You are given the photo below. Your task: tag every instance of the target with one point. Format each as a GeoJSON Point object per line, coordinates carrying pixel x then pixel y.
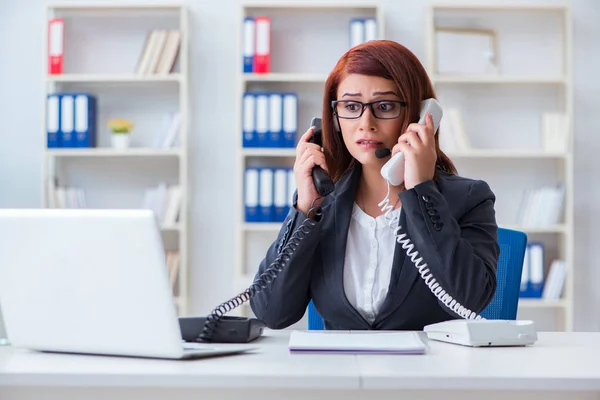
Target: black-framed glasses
{"type": "Point", "coordinates": [381, 109]}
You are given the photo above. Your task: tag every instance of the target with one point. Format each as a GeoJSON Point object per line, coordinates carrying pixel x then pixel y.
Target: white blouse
{"type": "Point", "coordinates": [368, 261]}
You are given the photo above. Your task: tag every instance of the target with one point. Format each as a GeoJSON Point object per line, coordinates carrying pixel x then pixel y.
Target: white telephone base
{"type": "Point", "coordinates": [483, 332]}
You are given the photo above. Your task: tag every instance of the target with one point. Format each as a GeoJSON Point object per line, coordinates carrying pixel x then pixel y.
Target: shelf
{"type": "Point", "coordinates": [541, 303]}
{"type": "Point", "coordinates": [121, 92]}
{"type": "Point", "coordinates": [113, 78]}
{"type": "Point", "coordinates": [524, 154]}
{"type": "Point", "coordinates": [525, 80]}
{"type": "Point", "coordinates": [109, 152]}
{"type": "Point", "coordinates": [267, 152]}
{"type": "Point", "coordinates": [285, 77]}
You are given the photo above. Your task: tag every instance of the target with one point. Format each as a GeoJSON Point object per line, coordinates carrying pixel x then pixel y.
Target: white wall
{"type": "Point", "coordinates": [214, 62]}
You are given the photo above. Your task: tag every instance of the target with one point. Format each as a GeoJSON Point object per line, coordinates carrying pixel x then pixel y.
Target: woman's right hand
{"type": "Point", "coordinates": [307, 156]}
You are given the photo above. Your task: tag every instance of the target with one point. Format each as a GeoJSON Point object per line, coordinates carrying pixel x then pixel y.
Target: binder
{"type": "Point", "coordinates": [280, 202]}
{"type": "Point", "coordinates": [53, 121]}
{"type": "Point", "coordinates": [85, 120]}
{"type": "Point", "coordinates": [251, 182]}
{"type": "Point", "coordinates": [370, 29]}
{"type": "Point", "coordinates": [262, 119]}
{"type": "Point", "coordinates": [265, 200]}
{"type": "Point", "coordinates": [67, 119]}
{"type": "Point", "coordinates": [249, 121]}
{"type": "Point", "coordinates": [275, 120]}
{"type": "Point", "coordinates": [290, 120]}
{"type": "Point", "coordinates": [249, 44]}
{"type": "Point", "coordinates": [56, 40]}
{"type": "Point", "coordinates": [536, 272]}
{"type": "Point", "coordinates": [262, 56]}
{"type": "Point", "coordinates": [357, 31]}
{"type": "Point", "coordinates": [532, 279]}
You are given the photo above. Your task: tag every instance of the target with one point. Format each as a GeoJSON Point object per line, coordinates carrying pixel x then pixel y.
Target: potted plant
{"type": "Point", "coordinates": [120, 132]}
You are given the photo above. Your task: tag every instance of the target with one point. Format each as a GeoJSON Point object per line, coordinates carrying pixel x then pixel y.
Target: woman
{"type": "Point", "coordinates": [349, 262]}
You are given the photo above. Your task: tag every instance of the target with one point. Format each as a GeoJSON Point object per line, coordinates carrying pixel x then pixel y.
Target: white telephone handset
{"type": "Point", "coordinates": [393, 170]}
{"type": "Point", "coordinates": [473, 329]}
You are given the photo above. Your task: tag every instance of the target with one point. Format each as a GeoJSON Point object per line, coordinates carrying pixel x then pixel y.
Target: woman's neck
{"type": "Point", "coordinates": [372, 189]}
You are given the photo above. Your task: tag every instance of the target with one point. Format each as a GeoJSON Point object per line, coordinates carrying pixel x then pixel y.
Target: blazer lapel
{"type": "Point", "coordinates": [404, 275]}
{"type": "Point", "coordinates": [343, 214]}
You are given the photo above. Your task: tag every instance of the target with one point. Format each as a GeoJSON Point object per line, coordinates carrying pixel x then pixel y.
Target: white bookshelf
{"type": "Point", "coordinates": [502, 113]}
{"type": "Point", "coordinates": [116, 78]}
{"type": "Point", "coordinates": [300, 66]}
{"type": "Point", "coordinates": [103, 42]}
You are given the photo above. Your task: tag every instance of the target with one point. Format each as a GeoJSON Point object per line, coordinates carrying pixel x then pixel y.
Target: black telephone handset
{"type": "Point", "coordinates": [322, 181]}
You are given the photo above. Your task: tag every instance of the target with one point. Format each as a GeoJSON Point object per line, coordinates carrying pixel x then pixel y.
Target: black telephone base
{"type": "Point", "coordinates": [228, 329]}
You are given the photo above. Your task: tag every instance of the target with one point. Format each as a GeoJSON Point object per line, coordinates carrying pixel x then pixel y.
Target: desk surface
{"type": "Point", "coordinates": [566, 361]}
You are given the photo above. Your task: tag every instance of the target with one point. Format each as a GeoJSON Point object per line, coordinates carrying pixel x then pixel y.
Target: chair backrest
{"type": "Point", "coordinates": [508, 276]}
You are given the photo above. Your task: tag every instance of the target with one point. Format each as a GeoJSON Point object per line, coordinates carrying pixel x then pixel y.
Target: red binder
{"type": "Point", "coordinates": [262, 55]}
{"type": "Point", "coordinates": [56, 42]}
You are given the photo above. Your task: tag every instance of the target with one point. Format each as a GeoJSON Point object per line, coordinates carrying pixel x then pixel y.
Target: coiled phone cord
{"type": "Point", "coordinates": [417, 260]}
{"type": "Point", "coordinates": [264, 279]}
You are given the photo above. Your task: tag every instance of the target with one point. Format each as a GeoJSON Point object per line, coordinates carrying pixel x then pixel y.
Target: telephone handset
{"type": "Point", "coordinates": [323, 183]}
{"type": "Point", "coordinates": [393, 170]}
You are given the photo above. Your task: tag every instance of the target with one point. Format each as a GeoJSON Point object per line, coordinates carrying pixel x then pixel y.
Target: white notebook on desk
{"type": "Point", "coordinates": [360, 342]}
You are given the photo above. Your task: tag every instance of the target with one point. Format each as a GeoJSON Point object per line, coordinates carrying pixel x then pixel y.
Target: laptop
{"type": "Point", "coordinates": [91, 282]}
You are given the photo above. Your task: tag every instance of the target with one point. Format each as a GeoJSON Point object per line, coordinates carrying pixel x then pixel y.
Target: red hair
{"type": "Point", "coordinates": [389, 60]}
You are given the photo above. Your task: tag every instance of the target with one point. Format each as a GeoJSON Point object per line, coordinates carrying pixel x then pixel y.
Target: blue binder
{"type": "Point", "coordinates": [85, 120]}
{"type": "Point", "coordinates": [275, 120]}
{"type": "Point", "coordinates": [532, 281]}
{"type": "Point", "coordinates": [67, 120]}
{"type": "Point", "coordinates": [265, 200]}
{"type": "Point", "coordinates": [280, 191]}
{"type": "Point", "coordinates": [249, 44]}
{"type": "Point", "coordinates": [249, 121]}
{"type": "Point", "coordinates": [251, 194]}
{"type": "Point", "coordinates": [262, 119]}
{"type": "Point", "coordinates": [53, 121]}
{"type": "Point", "coordinates": [290, 120]}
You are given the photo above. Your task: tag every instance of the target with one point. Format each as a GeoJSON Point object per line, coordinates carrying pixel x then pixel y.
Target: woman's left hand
{"type": "Point", "coordinates": [418, 146]}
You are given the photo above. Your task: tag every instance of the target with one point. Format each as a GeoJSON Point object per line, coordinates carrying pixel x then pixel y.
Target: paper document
{"type": "Point", "coordinates": [357, 342]}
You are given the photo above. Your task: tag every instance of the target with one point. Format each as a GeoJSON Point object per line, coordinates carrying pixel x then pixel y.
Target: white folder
{"type": "Point", "coordinates": [266, 194]}
{"type": "Point", "coordinates": [370, 29]}
{"type": "Point", "coordinates": [67, 110]}
{"type": "Point", "coordinates": [357, 31]}
{"type": "Point", "coordinates": [290, 119]}
{"type": "Point", "coordinates": [262, 118]}
{"type": "Point", "coordinates": [275, 119]}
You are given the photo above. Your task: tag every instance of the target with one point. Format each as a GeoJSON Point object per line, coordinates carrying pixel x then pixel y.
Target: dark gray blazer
{"type": "Point", "coordinates": [451, 222]}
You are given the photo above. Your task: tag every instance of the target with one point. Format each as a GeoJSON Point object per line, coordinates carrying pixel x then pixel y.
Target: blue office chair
{"type": "Point", "coordinates": [508, 275]}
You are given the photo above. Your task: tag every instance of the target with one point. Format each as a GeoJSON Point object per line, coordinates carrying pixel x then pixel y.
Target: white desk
{"type": "Point", "coordinates": [557, 366]}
